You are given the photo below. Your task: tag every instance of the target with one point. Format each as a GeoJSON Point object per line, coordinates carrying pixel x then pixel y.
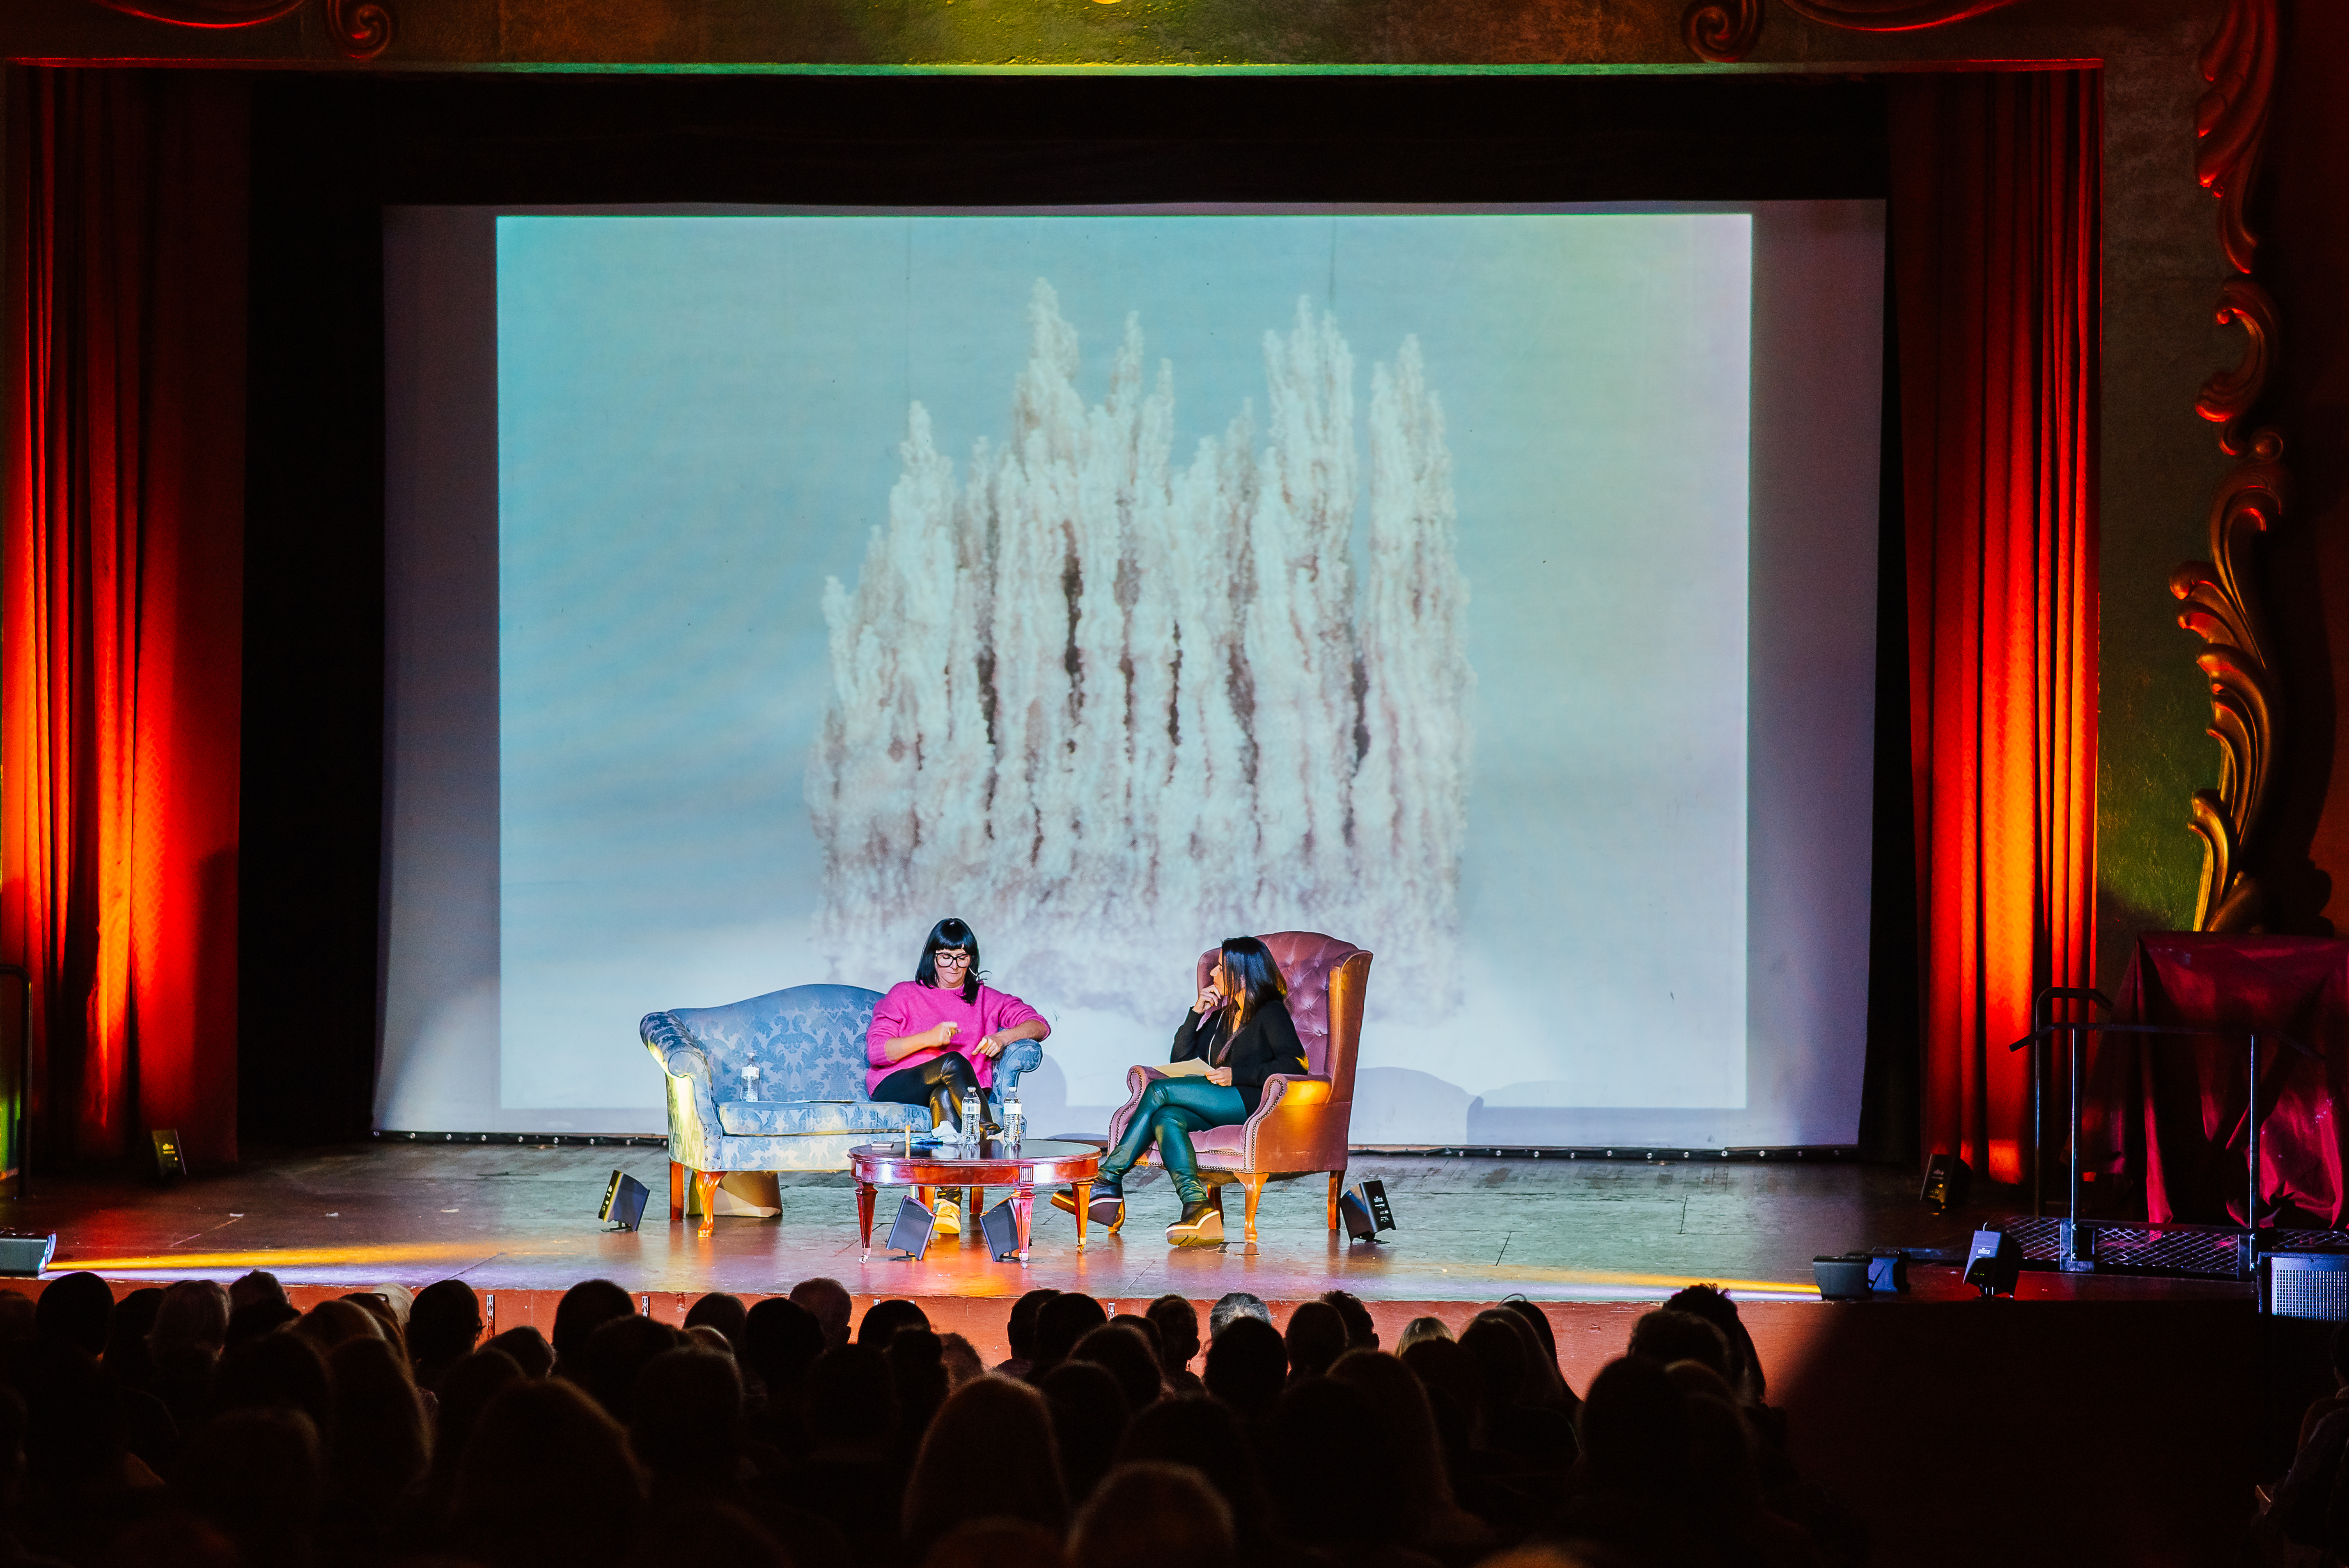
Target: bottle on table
{"type": "Point", "coordinates": [970, 1119]}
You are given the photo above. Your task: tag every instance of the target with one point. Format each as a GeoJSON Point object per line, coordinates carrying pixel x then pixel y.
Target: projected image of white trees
{"type": "Point", "coordinates": [1111, 706]}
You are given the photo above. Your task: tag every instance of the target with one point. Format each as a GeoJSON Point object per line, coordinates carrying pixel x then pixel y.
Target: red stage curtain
{"type": "Point", "coordinates": [120, 647]}
{"type": "Point", "coordinates": [1995, 269]}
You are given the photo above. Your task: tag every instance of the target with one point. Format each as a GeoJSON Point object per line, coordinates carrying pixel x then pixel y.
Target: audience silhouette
{"type": "Point", "coordinates": [382, 1429]}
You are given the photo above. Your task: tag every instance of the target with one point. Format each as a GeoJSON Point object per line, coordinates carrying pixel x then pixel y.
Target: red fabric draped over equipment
{"type": "Point", "coordinates": [1994, 266]}
{"type": "Point", "coordinates": [123, 602]}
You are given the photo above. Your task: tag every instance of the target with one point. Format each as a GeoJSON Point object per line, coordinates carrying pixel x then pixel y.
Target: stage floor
{"type": "Point", "coordinates": [522, 1217]}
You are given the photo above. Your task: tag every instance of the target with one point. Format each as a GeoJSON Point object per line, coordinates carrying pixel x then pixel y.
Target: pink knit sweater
{"type": "Point", "coordinates": [911, 1008]}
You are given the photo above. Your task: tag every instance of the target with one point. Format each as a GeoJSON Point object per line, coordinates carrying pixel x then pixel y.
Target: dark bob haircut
{"type": "Point", "coordinates": [1249, 965]}
{"type": "Point", "coordinates": [950, 934]}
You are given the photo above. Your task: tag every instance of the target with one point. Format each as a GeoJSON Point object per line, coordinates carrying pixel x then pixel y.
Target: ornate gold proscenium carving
{"type": "Point", "coordinates": [1725, 31]}
{"type": "Point", "coordinates": [2246, 702]}
{"type": "Point", "coordinates": [2230, 121]}
{"type": "Point", "coordinates": [1722, 33]}
{"type": "Point", "coordinates": [2228, 397]}
{"type": "Point", "coordinates": [361, 29]}
{"type": "Point", "coordinates": [2221, 597]}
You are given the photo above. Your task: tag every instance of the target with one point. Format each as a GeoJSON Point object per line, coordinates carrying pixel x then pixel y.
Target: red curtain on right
{"type": "Point", "coordinates": [1995, 253]}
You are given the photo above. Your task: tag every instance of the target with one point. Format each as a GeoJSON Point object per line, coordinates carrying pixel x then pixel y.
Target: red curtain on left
{"type": "Point", "coordinates": [121, 656]}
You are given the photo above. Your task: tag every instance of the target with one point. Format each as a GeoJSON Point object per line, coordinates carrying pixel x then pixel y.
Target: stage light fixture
{"type": "Point", "coordinates": [624, 1201]}
{"type": "Point", "coordinates": [1947, 1181]}
{"type": "Point", "coordinates": [1843, 1278]}
{"type": "Point", "coordinates": [170, 1160]}
{"type": "Point", "coordinates": [909, 1232]}
{"type": "Point", "coordinates": [24, 1257]}
{"type": "Point", "coordinates": [2306, 1285]}
{"type": "Point", "coordinates": [1994, 1262]}
{"type": "Point", "coordinates": [1365, 1209]}
{"type": "Point", "coordinates": [1000, 1228]}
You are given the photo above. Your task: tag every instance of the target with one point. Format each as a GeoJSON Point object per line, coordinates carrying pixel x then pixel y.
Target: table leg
{"type": "Point", "coordinates": [864, 1194]}
{"type": "Point", "coordinates": [1023, 1205]}
{"type": "Point", "coordinates": [1084, 1207]}
{"type": "Point", "coordinates": [972, 1228]}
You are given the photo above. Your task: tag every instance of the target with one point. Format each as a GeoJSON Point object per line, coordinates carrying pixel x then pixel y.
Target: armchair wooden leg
{"type": "Point", "coordinates": [675, 1192]}
{"type": "Point", "coordinates": [705, 1193]}
{"type": "Point", "coordinates": [1253, 1181]}
{"type": "Point", "coordinates": [1335, 1178]}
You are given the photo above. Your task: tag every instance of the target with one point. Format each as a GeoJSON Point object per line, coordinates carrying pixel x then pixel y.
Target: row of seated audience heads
{"type": "Point", "coordinates": [225, 1427]}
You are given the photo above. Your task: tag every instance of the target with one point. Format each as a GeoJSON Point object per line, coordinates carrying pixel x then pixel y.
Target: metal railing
{"type": "Point", "coordinates": [2078, 1251]}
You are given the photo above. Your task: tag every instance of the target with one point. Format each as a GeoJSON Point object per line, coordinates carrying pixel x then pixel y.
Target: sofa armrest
{"type": "Point", "coordinates": [1292, 1089]}
{"type": "Point", "coordinates": [687, 1066]}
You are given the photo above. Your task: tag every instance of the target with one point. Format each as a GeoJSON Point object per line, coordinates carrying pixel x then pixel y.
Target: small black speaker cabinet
{"type": "Point", "coordinates": [1948, 1178]}
{"type": "Point", "coordinates": [24, 1257]}
{"type": "Point", "coordinates": [1359, 1226]}
{"type": "Point", "coordinates": [170, 1160]}
{"type": "Point", "coordinates": [1842, 1279]}
{"type": "Point", "coordinates": [1994, 1262]}
{"type": "Point", "coordinates": [1888, 1273]}
{"type": "Point", "coordinates": [1000, 1228]}
{"type": "Point", "coordinates": [909, 1232]}
{"type": "Point", "coordinates": [624, 1201]}
{"type": "Point", "coordinates": [1374, 1198]}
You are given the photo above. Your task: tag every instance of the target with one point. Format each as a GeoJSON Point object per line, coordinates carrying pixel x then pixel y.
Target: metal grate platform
{"type": "Point", "coordinates": [2168, 1252]}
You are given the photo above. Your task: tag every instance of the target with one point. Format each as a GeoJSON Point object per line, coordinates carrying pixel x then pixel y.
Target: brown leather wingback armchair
{"type": "Point", "coordinates": [1299, 1125]}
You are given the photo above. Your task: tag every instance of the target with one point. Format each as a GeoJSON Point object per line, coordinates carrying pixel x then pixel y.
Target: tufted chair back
{"type": "Point", "coordinates": [808, 1043]}
{"type": "Point", "coordinates": [1325, 999]}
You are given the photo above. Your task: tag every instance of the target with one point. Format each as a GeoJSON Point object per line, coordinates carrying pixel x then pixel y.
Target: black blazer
{"type": "Point", "coordinates": [1265, 1046]}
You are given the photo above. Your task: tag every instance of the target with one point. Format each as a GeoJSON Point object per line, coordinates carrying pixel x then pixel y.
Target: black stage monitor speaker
{"type": "Point", "coordinates": [24, 1257]}
{"type": "Point", "coordinates": [1359, 1226]}
{"type": "Point", "coordinates": [1000, 1227]}
{"type": "Point", "coordinates": [624, 1201]}
{"type": "Point", "coordinates": [170, 1160]}
{"type": "Point", "coordinates": [1374, 1198]}
{"type": "Point", "coordinates": [1994, 1262]}
{"type": "Point", "coordinates": [1947, 1181]}
{"type": "Point", "coordinates": [909, 1232]}
{"type": "Point", "coordinates": [1842, 1279]}
{"type": "Point", "coordinates": [1888, 1273]}
{"type": "Point", "coordinates": [2306, 1284]}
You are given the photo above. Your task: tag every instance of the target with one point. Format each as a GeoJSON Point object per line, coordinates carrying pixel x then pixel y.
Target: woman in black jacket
{"type": "Point", "coordinates": [1239, 1032]}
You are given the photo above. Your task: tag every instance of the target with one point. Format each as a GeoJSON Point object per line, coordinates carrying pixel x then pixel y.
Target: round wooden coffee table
{"type": "Point", "coordinates": [1036, 1162]}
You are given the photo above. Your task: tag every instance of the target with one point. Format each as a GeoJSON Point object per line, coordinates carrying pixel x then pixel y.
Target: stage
{"type": "Point", "coordinates": [1954, 1425]}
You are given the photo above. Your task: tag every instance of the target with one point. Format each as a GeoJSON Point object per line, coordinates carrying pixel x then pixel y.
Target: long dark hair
{"type": "Point", "coordinates": [950, 933]}
{"type": "Point", "coordinates": [1248, 966]}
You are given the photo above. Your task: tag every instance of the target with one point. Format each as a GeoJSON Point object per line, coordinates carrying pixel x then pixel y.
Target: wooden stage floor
{"type": "Point", "coordinates": [1955, 1426]}
{"type": "Point", "coordinates": [523, 1217]}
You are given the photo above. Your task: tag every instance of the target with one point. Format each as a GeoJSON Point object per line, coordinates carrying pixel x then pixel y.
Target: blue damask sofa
{"type": "Point", "coordinates": [777, 1083]}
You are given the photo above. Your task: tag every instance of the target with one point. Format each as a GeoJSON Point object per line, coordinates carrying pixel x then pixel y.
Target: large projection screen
{"type": "Point", "coordinates": [1494, 589]}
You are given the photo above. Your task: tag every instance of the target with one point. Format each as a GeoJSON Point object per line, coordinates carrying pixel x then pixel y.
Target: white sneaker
{"type": "Point", "coordinates": [949, 1218]}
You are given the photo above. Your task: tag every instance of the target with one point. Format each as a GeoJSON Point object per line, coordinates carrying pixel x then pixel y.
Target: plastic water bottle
{"type": "Point", "coordinates": [1015, 1123]}
{"type": "Point", "coordinates": [970, 1119]}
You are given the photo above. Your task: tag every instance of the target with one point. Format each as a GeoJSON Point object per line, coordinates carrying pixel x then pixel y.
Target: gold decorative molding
{"type": "Point", "coordinates": [1722, 33]}
{"type": "Point", "coordinates": [361, 29]}
{"type": "Point", "coordinates": [2246, 703]}
{"type": "Point", "coordinates": [1725, 31]}
{"type": "Point", "coordinates": [2230, 121]}
{"type": "Point", "coordinates": [2220, 595]}
{"type": "Point", "coordinates": [2229, 396]}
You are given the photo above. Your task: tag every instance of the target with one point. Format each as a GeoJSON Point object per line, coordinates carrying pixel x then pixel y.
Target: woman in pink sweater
{"type": "Point", "coordinates": [939, 1034]}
